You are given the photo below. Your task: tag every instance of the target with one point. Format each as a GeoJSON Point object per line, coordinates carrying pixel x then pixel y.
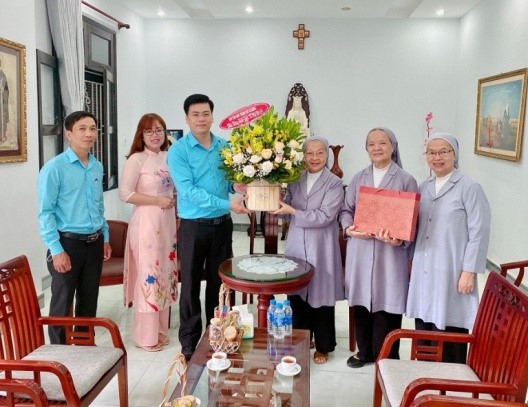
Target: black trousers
{"type": "Point", "coordinates": [371, 330]}
{"type": "Point", "coordinates": [319, 321]}
{"type": "Point", "coordinates": [453, 352]}
{"type": "Point", "coordinates": [199, 244]}
{"type": "Point", "coordinates": [82, 281]}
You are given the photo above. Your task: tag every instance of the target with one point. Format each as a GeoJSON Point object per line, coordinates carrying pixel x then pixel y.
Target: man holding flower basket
{"type": "Point", "coordinates": [206, 227]}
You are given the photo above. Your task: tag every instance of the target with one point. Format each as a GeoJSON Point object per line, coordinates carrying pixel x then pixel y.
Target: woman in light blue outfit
{"type": "Point", "coordinates": [450, 248]}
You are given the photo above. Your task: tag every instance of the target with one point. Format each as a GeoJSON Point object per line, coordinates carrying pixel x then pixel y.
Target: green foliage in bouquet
{"type": "Point", "coordinates": [268, 149]}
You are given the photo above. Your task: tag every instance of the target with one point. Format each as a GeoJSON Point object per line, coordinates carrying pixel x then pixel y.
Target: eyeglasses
{"type": "Point", "coordinates": [159, 131]}
{"type": "Point", "coordinates": [441, 153]}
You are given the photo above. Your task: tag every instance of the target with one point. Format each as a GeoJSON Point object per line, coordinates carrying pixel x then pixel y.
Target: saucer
{"type": "Point", "coordinates": [226, 364]}
{"type": "Point", "coordinates": [296, 370]}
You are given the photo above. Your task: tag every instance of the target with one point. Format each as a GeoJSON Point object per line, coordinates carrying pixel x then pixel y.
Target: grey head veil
{"type": "Point", "coordinates": [453, 142]}
{"type": "Point", "coordinates": [396, 152]}
{"type": "Point", "coordinates": [323, 140]}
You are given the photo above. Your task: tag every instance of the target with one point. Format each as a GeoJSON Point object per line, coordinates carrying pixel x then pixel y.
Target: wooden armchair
{"type": "Point", "coordinates": [517, 265]}
{"type": "Point", "coordinates": [497, 363]}
{"type": "Point", "coordinates": [69, 375]}
{"type": "Point", "coordinates": [113, 268]}
{"type": "Point", "coordinates": [432, 400]}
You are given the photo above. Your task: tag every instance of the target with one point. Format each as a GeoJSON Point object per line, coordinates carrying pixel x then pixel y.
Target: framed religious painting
{"type": "Point", "coordinates": [174, 135]}
{"type": "Point", "coordinates": [501, 104]}
{"type": "Point", "coordinates": [13, 132]}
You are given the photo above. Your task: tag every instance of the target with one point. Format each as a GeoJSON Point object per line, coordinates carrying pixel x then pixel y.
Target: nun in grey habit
{"type": "Point", "coordinates": [312, 205]}
{"type": "Point", "coordinates": [451, 247]}
{"type": "Point", "coordinates": [376, 270]}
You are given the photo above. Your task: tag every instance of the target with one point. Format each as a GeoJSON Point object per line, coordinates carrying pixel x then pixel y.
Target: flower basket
{"type": "Point", "coordinates": [178, 367]}
{"type": "Point", "coordinates": [268, 149]}
{"type": "Point", "coordinates": [263, 196]}
{"type": "Point", "coordinates": [225, 332]}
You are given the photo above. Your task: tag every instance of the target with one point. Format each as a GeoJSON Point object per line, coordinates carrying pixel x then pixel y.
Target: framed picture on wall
{"type": "Point", "coordinates": [13, 136]}
{"type": "Point", "coordinates": [174, 135]}
{"type": "Point", "coordinates": [501, 104]}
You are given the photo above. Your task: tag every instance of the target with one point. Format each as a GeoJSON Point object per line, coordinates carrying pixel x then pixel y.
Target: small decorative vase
{"type": "Point", "coordinates": [335, 168]}
{"type": "Point", "coordinates": [263, 196]}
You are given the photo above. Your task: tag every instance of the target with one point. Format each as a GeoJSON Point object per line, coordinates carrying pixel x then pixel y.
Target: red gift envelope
{"type": "Point", "coordinates": [379, 208]}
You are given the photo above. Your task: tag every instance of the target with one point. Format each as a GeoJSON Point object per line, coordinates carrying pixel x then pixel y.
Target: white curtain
{"type": "Point", "coordinates": [65, 20]}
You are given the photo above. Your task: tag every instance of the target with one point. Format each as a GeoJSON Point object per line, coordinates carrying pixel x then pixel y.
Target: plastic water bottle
{"type": "Point", "coordinates": [278, 322]}
{"type": "Point", "coordinates": [288, 318]}
{"type": "Point", "coordinates": [271, 312]}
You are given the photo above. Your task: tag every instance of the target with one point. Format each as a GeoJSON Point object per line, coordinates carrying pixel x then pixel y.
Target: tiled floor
{"type": "Point", "coordinates": [331, 384]}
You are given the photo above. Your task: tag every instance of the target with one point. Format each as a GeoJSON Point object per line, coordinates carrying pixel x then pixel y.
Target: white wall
{"type": "Point", "coordinates": [358, 74]}
{"type": "Point", "coordinates": [493, 40]}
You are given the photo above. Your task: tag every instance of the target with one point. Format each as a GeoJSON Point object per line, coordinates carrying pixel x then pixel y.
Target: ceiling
{"type": "Point", "coordinates": [235, 9]}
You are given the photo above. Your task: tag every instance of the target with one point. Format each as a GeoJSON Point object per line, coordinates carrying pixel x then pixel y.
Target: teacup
{"type": "Point", "coordinates": [218, 360]}
{"type": "Point", "coordinates": [288, 364]}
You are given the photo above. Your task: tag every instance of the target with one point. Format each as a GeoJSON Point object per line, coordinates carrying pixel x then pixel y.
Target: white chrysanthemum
{"type": "Point", "coordinates": [249, 171]}
{"type": "Point", "coordinates": [254, 159]}
{"type": "Point", "coordinates": [266, 167]}
{"type": "Point", "coordinates": [238, 158]}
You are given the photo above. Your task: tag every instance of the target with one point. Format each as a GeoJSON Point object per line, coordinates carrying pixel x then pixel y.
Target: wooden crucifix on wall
{"type": "Point", "coordinates": [301, 33]}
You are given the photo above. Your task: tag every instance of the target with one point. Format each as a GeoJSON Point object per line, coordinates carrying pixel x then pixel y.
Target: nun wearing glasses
{"type": "Point", "coordinates": [450, 247]}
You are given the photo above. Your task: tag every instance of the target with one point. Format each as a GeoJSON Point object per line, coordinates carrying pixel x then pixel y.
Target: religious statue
{"type": "Point", "coordinates": [297, 113]}
{"type": "Point", "coordinates": [297, 107]}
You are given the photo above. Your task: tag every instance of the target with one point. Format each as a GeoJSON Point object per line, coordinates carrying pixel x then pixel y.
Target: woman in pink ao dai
{"type": "Point", "coordinates": [150, 275]}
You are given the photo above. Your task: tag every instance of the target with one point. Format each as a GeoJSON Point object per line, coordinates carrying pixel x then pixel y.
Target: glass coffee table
{"type": "Point", "coordinates": [252, 378]}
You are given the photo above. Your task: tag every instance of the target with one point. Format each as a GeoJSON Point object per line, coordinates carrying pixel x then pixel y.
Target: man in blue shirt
{"type": "Point", "coordinates": [72, 223]}
{"type": "Point", "coordinates": [206, 227]}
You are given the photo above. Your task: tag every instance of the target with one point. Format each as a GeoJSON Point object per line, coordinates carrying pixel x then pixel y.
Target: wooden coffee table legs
{"type": "Point", "coordinates": [262, 308]}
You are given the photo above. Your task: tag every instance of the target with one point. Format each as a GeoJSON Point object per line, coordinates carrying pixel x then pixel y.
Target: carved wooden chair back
{"type": "Point", "coordinates": [19, 311]}
{"type": "Point", "coordinates": [499, 353]}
